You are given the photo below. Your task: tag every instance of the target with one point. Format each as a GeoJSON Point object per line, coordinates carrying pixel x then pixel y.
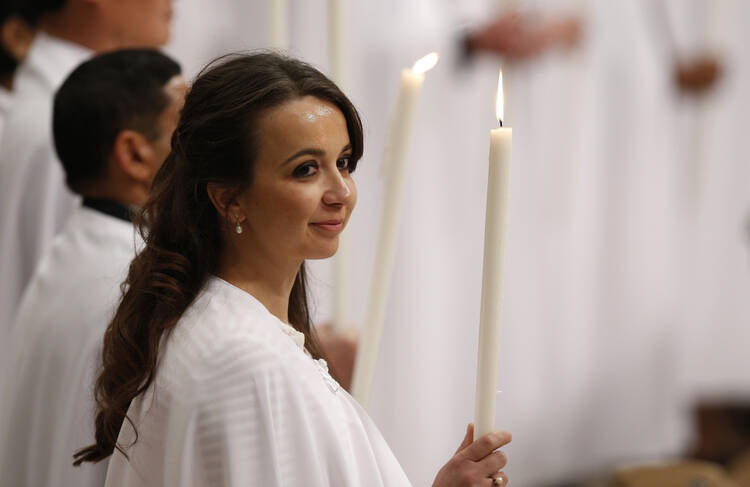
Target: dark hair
{"type": "Point", "coordinates": [215, 141]}
{"type": "Point", "coordinates": [33, 10]}
{"type": "Point", "coordinates": [120, 90]}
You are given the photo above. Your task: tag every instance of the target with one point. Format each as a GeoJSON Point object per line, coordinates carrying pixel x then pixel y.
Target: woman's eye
{"type": "Point", "coordinates": [343, 163]}
{"type": "Point", "coordinates": [305, 170]}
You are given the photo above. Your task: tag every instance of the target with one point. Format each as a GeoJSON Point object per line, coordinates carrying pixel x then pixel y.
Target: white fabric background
{"type": "Point", "coordinates": [626, 287]}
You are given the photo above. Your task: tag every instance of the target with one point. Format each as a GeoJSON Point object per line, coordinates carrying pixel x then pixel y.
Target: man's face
{"type": "Point", "coordinates": [138, 23]}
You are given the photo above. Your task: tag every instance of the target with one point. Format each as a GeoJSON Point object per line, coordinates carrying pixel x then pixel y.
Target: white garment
{"type": "Point", "coordinates": [46, 406]}
{"type": "Point", "coordinates": [5, 100]}
{"type": "Point", "coordinates": [34, 201]}
{"type": "Point", "coordinates": [236, 402]}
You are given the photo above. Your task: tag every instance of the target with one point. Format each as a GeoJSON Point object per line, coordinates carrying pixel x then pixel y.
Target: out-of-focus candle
{"type": "Point", "coordinates": [495, 232]}
{"type": "Point", "coordinates": [337, 41]}
{"type": "Point", "coordinates": [397, 148]}
{"type": "Point", "coordinates": [342, 295]}
{"type": "Point", "coordinates": [279, 24]}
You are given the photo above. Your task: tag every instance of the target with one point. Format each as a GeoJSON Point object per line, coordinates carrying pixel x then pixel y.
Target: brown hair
{"type": "Point", "coordinates": [215, 141]}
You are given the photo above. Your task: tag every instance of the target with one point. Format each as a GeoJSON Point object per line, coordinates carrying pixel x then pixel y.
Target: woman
{"type": "Point", "coordinates": [210, 357]}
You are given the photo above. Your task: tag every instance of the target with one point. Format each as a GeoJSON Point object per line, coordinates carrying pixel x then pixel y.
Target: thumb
{"type": "Point", "coordinates": [468, 438]}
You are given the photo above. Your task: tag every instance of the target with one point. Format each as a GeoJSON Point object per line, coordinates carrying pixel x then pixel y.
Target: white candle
{"type": "Point", "coordinates": [495, 232]}
{"type": "Point", "coordinates": [337, 41]}
{"type": "Point", "coordinates": [342, 295]}
{"type": "Point", "coordinates": [394, 162]}
{"type": "Point", "coordinates": [279, 24]}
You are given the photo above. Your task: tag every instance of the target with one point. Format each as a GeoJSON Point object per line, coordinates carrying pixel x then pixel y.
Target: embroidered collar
{"type": "Point", "coordinates": [297, 337]}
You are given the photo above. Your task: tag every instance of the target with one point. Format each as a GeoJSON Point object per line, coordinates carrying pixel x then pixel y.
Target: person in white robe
{"type": "Point", "coordinates": [46, 402]}
{"type": "Point", "coordinates": [34, 202]}
{"type": "Point", "coordinates": [16, 35]}
{"type": "Point", "coordinates": [211, 351]}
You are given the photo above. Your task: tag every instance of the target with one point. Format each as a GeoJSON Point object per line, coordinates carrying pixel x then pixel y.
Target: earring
{"type": "Point", "coordinates": [238, 227]}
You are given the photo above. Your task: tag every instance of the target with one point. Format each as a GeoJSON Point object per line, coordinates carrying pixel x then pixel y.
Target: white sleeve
{"type": "Point", "coordinates": [256, 425]}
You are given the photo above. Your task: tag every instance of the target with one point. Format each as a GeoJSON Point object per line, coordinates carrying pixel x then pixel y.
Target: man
{"type": "Point", "coordinates": [16, 35]}
{"type": "Point", "coordinates": [34, 204]}
{"type": "Point", "coordinates": [113, 120]}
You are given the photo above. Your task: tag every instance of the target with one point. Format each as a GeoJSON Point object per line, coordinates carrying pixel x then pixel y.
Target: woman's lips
{"type": "Point", "coordinates": [332, 226]}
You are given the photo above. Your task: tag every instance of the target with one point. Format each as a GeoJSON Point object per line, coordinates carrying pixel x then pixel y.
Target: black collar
{"type": "Point", "coordinates": [109, 207]}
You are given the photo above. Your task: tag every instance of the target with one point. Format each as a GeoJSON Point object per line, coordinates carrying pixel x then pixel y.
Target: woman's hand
{"type": "Point", "coordinates": [476, 463]}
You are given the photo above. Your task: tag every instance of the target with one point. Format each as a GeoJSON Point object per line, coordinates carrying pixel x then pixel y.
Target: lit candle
{"type": "Point", "coordinates": [495, 232]}
{"type": "Point", "coordinates": [394, 167]}
{"type": "Point", "coordinates": [342, 295]}
{"type": "Point", "coordinates": [279, 24]}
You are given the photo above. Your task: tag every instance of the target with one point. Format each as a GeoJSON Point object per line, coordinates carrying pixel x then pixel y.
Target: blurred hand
{"type": "Point", "coordinates": [476, 463]}
{"type": "Point", "coordinates": [564, 32]}
{"type": "Point", "coordinates": [340, 348]}
{"type": "Point", "coordinates": [516, 37]}
{"type": "Point", "coordinates": [698, 75]}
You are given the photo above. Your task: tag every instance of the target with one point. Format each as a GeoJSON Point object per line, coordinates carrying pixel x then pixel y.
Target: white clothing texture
{"type": "Point", "coordinates": [47, 404]}
{"type": "Point", "coordinates": [6, 97]}
{"type": "Point", "coordinates": [34, 201]}
{"type": "Point", "coordinates": [236, 401]}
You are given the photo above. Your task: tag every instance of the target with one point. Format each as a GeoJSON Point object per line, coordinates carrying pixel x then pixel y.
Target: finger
{"type": "Point", "coordinates": [468, 437]}
{"type": "Point", "coordinates": [493, 462]}
{"type": "Point", "coordinates": [486, 445]}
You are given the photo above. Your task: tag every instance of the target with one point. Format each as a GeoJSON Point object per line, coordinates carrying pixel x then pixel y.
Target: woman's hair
{"type": "Point", "coordinates": [216, 141]}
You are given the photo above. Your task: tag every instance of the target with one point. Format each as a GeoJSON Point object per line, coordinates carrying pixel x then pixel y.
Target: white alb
{"type": "Point", "coordinates": [47, 376]}
{"type": "Point", "coordinates": [237, 401]}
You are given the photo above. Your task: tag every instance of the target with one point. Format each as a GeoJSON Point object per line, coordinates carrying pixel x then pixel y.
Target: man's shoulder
{"type": "Point", "coordinates": [28, 130]}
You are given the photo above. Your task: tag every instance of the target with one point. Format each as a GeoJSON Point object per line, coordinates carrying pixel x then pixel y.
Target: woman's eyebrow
{"type": "Point", "coordinates": [346, 148]}
{"type": "Point", "coordinates": [305, 152]}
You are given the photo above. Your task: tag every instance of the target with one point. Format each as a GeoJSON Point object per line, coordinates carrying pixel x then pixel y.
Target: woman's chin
{"type": "Point", "coordinates": [323, 252]}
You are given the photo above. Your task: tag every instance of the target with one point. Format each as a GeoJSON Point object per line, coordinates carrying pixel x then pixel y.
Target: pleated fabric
{"type": "Point", "coordinates": [237, 401]}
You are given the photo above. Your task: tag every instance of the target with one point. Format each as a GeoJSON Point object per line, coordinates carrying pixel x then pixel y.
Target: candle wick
{"type": "Point", "coordinates": [500, 121]}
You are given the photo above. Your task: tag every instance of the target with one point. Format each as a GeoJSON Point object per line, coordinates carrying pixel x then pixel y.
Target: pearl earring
{"type": "Point", "coordinates": [238, 227]}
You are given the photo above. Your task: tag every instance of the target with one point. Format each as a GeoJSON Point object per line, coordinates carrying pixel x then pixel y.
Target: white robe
{"type": "Point", "coordinates": [34, 201]}
{"type": "Point", "coordinates": [46, 406]}
{"type": "Point", "coordinates": [236, 402]}
{"type": "Point", "coordinates": [6, 97]}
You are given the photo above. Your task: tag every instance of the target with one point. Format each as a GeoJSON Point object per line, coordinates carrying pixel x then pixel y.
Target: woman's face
{"type": "Point", "coordinates": [302, 193]}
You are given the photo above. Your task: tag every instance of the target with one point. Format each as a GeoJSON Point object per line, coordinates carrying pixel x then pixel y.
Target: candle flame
{"type": "Point", "coordinates": [500, 103]}
{"type": "Point", "coordinates": [426, 63]}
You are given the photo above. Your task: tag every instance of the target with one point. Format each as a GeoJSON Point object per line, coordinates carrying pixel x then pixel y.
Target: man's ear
{"type": "Point", "coordinates": [16, 36]}
{"type": "Point", "coordinates": [132, 152]}
{"type": "Point", "coordinates": [224, 199]}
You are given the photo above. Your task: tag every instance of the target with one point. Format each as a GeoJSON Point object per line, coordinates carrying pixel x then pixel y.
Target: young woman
{"type": "Point", "coordinates": [212, 374]}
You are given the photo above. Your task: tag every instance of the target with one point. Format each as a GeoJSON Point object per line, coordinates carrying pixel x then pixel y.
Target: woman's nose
{"type": "Point", "coordinates": [337, 191]}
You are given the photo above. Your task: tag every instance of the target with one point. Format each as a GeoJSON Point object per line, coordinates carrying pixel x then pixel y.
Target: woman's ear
{"type": "Point", "coordinates": [224, 199]}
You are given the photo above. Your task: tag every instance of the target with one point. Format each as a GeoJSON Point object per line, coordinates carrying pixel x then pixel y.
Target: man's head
{"type": "Point", "coordinates": [136, 23]}
{"type": "Point", "coordinates": [104, 25]}
{"type": "Point", "coordinates": [113, 120]}
{"type": "Point", "coordinates": [16, 34]}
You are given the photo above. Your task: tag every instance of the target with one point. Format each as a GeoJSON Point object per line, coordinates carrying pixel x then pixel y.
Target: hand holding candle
{"type": "Point", "coordinates": [496, 229]}
{"type": "Point", "coordinates": [397, 148]}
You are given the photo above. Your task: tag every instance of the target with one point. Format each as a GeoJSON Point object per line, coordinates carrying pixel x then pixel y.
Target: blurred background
{"type": "Point", "coordinates": [625, 336]}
